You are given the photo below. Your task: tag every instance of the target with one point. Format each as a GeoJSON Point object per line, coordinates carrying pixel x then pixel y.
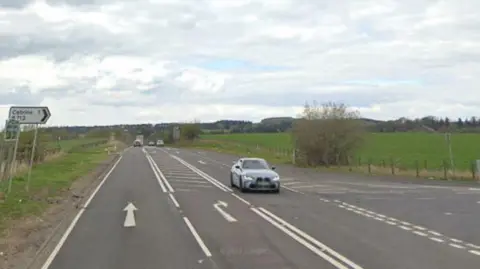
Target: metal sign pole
{"type": "Point", "coordinates": [32, 157]}
{"type": "Point", "coordinates": [10, 176]}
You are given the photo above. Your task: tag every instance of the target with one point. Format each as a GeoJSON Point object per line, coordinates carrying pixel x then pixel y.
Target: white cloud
{"type": "Point", "coordinates": [165, 60]}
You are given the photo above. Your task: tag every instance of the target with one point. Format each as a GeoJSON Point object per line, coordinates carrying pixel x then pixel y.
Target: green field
{"type": "Point", "coordinates": [405, 149]}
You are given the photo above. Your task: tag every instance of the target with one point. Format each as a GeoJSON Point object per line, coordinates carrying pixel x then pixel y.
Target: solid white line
{"type": "Point", "coordinates": [169, 187]}
{"type": "Point", "coordinates": [311, 239]}
{"type": "Point", "coordinates": [159, 180]}
{"type": "Point", "coordinates": [197, 237]}
{"type": "Point", "coordinates": [301, 240]}
{"type": "Point", "coordinates": [241, 199]}
{"type": "Point", "coordinates": [177, 205]}
{"type": "Point", "coordinates": [59, 245]}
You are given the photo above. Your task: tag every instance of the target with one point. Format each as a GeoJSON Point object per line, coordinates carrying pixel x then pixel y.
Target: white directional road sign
{"type": "Point", "coordinates": [29, 114]}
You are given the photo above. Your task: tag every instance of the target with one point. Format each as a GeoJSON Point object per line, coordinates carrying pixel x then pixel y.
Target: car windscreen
{"type": "Point", "coordinates": [254, 164]}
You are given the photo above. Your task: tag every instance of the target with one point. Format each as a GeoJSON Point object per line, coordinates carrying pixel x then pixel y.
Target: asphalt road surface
{"type": "Point", "coordinates": [174, 208]}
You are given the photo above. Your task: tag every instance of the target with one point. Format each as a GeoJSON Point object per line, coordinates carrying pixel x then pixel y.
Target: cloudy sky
{"type": "Point", "coordinates": [127, 61]}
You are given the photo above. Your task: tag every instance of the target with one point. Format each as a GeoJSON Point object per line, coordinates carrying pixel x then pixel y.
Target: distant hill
{"type": "Point", "coordinates": [279, 124]}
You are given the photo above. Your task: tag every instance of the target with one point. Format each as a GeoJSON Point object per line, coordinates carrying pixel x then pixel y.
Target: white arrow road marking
{"type": "Point", "coordinates": [224, 214]}
{"type": "Point", "coordinates": [130, 217]}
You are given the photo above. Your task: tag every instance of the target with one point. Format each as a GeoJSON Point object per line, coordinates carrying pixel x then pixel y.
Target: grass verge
{"type": "Point", "coordinates": [48, 181]}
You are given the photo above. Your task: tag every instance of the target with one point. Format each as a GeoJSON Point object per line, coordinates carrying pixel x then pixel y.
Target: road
{"type": "Point", "coordinates": [187, 216]}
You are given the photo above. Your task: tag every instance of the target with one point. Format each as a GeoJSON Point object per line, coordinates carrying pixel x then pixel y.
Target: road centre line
{"type": "Point", "coordinates": [64, 237]}
{"type": "Point", "coordinates": [333, 257]}
{"type": "Point", "coordinates": [159, 175]}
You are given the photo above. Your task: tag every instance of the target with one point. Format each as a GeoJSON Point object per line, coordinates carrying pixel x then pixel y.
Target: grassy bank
{"type": "Point", "coordinates": [48, 181]}
{"type": "Point", "coordinates": [406, 150]}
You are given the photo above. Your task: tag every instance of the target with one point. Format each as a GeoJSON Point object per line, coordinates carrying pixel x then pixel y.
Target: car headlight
{"type": "Point", "coordinates": [248, 178]}
{"type": "Point", "coordinates": [276, 178]}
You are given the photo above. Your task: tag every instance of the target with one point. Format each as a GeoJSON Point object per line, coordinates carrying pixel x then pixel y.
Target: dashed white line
{"type": "Point", "coordinates": [391, 223]}
{"type": "Point", "coordinates": [435, 233]}
{"type": "Point", "coordinates": [456, 246]}
{"type": "Point", "coordinates": [437, 239]}
{"type": "Point", "coordinates": [473, 246]}
{"type": "Point", "coordinates": [420, 228]}
{"type": "Point", "coordinates": [293, 190]}
{"type": "Point", "coordinates": [456, 240]}
{"type": "Point", "coordinates": [197, 237]}
{"type": "Point", "coordinates": [475, 252]}
{"type": "Point", "coordinates": [420, 233]}
{"type": "Point", "coordinates": [405, 228]}
{"type": "Point", "coordinates": [202, 162]}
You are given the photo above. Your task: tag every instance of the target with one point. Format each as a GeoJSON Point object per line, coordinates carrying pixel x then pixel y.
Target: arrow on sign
{"type": "Point", "coordinates": [224, 214]}
{"type": "Point", "coordinates": [29, 114]}
{"type": "Point", "coordinates": [130, 217]}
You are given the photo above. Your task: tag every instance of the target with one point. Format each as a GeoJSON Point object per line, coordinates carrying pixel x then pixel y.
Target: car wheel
{"type": "Point", "coordinates": [240, 185]}
{"type": "Point", "coordinates": [276, 190]}
{"type": "Point", "coordinates": [231, 181]}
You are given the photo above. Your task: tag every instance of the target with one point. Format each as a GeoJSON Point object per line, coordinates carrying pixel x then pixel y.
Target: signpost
{"type": "Point", "coordinates": [25, 115]}
{"type": "Point", "coordinates": [12, 127]}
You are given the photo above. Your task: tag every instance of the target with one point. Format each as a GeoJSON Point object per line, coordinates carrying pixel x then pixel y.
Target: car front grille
{"type": "Point", "coordinates": [263, 179]}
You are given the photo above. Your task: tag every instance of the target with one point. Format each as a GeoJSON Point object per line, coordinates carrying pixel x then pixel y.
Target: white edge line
{"type": "Point", "coordinates": [197, 237]}
{"type": "Point", "coordinates": [159, 180]}
{"type": "Point", "coordinates": [311, 239]}
{"type": "Point", "coordinates": [64, 237]}
{"type": "Point", "coordinates": [162, 176]}
{"type": "Point", "coordinates": [177, 205]}
{"type": "Point", "coordinates": [300, 240]}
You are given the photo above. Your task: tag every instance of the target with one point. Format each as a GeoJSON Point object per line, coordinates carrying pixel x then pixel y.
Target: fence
{"type": "Point", "coordinates": [375, 166]}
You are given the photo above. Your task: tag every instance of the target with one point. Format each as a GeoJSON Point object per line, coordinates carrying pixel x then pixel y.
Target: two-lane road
{"type": "Point", "coordinates": [184, 219]}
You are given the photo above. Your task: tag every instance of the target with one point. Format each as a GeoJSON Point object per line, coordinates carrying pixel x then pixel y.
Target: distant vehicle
{"type": "Point", "coordinates": [137, 143]}
{"type": "Point", "coordinates": [139, 138]}
{"type": "Point", "coordinates": [151, 143]}
{"type": "Point", "coordinates": [160, 143]}
{"type": "Point", "coordinates": [254, 174]}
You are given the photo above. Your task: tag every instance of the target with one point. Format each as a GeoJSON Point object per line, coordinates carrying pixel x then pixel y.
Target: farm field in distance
{"type": "Point", "coordinates": [405, 148]}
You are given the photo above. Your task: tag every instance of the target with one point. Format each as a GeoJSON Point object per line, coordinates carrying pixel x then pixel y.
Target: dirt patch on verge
{"type": "Point", "coordinates": [28, 241]}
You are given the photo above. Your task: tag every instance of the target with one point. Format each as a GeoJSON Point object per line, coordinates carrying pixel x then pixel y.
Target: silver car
{"type": "Point", "coordinates": [254, 174]}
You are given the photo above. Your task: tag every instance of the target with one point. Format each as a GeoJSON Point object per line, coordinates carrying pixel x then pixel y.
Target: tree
{"type": "Point", "coordinates": [190, 131]}
{"type": "Point", "coordinates": [327, 134]}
